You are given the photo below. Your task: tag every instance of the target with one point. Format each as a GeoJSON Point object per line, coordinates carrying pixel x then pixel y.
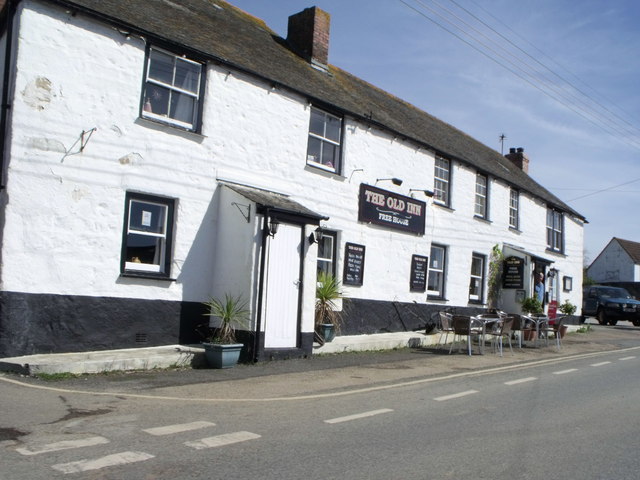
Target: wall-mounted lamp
{"type": "Point", "coordinates": [315, 236]}
{"type": "Point", "coordinates": [355, 170]}
{"type": "Point", "coordinates": [428, 193]}
{"type": "Point", "coordinates": [274, 224]}
{"type": "Point", "coordinates": [394, 180]}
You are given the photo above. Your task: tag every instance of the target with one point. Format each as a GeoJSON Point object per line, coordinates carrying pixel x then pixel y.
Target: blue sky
{"type": "Point", "coordinates": [586, 142]}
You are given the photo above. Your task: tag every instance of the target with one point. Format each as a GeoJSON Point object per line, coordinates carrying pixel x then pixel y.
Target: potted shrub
{"type": "Point", "coordinates": [220, 345]}
{"type": "Point", "coordinates": [531, 306]}
{"type": "Point", "coordinates": [567, 308]}
{"type": "Point", "coordinates": [327, 318]}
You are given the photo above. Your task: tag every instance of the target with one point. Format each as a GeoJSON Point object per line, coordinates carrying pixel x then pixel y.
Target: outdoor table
{"type": "Point", "coordinates": [537, 321]}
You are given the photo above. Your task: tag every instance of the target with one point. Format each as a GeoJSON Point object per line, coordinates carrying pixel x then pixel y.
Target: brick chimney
{"type": "Point", "coordinates": [308, 35]}
{"type": "Point", "coordinates": [519, 158]}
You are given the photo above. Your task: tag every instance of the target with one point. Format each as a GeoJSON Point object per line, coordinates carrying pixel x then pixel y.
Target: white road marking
{"type": "Point", "coordinates": [358, 416]}
{"type": "Point", "coordinates": [178, 428]}
{"type": "Point", "coordinates": [626, 358]}
{"type": "Point", "coordinates": [521, 380]}
{"type": "Point", "coordinates": [98, 463]}
{"type": "Point", "coordinates": [562, 372]}
{"type": "Point", "coordinates": [64, 445]}
{"type": "Point", "coordinates": [222, 440]}
{"type": "Point", "coordinates": [455, 395]}
{"type": "Point", "coordinates": [600, 364]}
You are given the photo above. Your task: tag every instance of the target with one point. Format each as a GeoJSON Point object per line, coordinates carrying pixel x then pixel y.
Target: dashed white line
{"type": "Point", "coordinates": [521, 380]}
{"type": "Point", "coordinates": [600, 364]}
{"type": "Point", "coordinates": [222, 440]}
{"type": "Point", "coordinates": [98, 463]}
{"type": "Point", "coordinates": [64, 445]}
{"type": "Point", "coordinates": [178, 428]}
{"type": "Point", "coordinates": [358, 416]}
{"type": "Point", "coordinates": [627, 358]}
{"type": "Point", "coordinates": [455, 395]}
{"type": "Point", "coordinates": [562, 372]}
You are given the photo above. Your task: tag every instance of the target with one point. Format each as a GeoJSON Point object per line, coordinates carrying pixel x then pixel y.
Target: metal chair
{"type": "Point", "coordinates": [518, 326]}
{"type": "Point", "coordinates": [445, 327]}
{"type": "Point", "coordinates": [465, 325]}
{"type": "Point", "coordinates": [501, 330]}
{"type": "Point", "coordinates": [554, 329]}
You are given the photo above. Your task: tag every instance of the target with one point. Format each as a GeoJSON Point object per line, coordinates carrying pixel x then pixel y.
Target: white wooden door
{"type": "Point", "coordinates": [281, 317]}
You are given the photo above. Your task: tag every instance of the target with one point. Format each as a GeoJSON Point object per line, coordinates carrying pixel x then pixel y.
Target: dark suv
{"type": "Point", "coordinates": [610, 304]}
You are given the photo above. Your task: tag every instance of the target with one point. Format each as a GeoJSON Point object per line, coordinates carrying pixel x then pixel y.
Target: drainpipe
{"type": "Point", "coordinates": [4, 114]}
{"type": "Point", "coordinates": [263, 255]}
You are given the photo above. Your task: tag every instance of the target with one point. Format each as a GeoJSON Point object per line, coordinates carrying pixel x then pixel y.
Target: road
{"type": "Point", "coordinates": [560, 420]}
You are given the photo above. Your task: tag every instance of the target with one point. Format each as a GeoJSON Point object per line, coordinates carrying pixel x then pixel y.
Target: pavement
{"type": "Point", "coordinates": [192, 356]}
{"type": "Point", "coordinates": [357, 369]}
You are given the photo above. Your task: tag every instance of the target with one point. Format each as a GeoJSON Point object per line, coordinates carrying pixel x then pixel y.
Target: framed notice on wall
{"type": "Point", "coordinates": [418, 280]}
{"type": "Point", "coordinates": [353, 264]}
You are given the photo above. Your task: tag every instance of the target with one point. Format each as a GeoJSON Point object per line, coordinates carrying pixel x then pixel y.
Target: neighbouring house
{"type": "Point", "coordinates": [155, 154]}
{"type": "Point", "coordinates": [618, 263]}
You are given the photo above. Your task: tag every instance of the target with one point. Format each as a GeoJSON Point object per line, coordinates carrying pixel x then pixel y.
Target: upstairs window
{"type": "Point", "coordinates": [442, 181]}
{"type": "Point", "coordinates": [324, 147]}
{"type": "Point", "coordinates": [482, 195]}
{"type": "Point", "coordinates": [555, 230]}
{"type": "Point", "coordinates": [172, 89]}
{"type": "Point", "coordinates": [514, 209]}
{"type": "Point", "coordinates": [148, 232]}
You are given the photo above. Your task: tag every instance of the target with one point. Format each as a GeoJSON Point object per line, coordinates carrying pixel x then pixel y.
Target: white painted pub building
{"type": "Point", "coordinates": [156, 154]}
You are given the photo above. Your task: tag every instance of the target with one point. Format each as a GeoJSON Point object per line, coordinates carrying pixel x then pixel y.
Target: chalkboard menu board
{"type": "Point", "coordinates": [513, 272]}
{"type": "Point", "coordinates": [419, 273]}
{"type": "Point", "coordinates": [353, 264]}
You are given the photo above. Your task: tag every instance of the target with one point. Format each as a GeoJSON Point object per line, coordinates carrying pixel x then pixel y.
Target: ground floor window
{"type": "Point", "coordinates": [327, 253]}
{"type": "Point", "coordinates": [148, 231]}
{"type": "Point", "coordinates": [476, 284]}
{"type": "Point", "coordinates": [437, 272]}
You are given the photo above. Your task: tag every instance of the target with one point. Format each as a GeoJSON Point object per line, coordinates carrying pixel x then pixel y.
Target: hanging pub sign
{"type": "Point", "coordinates": [391, 210]}
{"type": "Point", "coordinates": [513, 273]}
{"type": "Point", "coordinates": [418, 281]}
{"type": "Point", "coordinates": [353, 264]}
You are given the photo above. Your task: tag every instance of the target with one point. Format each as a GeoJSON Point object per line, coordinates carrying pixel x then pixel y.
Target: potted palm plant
{"type": "Point", "coordinates": [220, 345]}
{"type": "Point", "coordinates": [327, 317]}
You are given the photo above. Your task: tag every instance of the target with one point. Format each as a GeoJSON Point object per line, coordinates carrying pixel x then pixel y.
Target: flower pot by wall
{"type": "Point", "coordinates": [222, 355]}
{"type": "Point", "coordinates": [529, 335]}
{"type": "Point", "coordinates": [563, 330]}
{"type": "Point", "coordinates": [327, 331]}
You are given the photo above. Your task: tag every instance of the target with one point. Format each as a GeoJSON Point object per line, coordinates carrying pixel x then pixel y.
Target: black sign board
{"type": "Point", "coordinates": [513, 273]}
{"type": "Point", "coordinates": [353, 264]}
{"type": "Point", "coordinates": [391, 210]}
{"type": "Point", "coordinates": [418, 282]}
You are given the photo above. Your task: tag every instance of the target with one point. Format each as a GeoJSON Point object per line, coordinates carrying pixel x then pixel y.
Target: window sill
{"type": "Point", "coordinates": [443, 206]}
{"type": "Point", "coordinates": [482, 219]}
{"type": "Point", "coordinates": [147, 275]}
{"type": "Point", "coordinates": [476, 302]}
{"type": "Point", "coordinates": [515, 230]}
{"type": "Point", "coordinates": [169, 127]}
{"type": "Point", "coordinates": [556, 252]}
{"type": "Point", "coordinates": [312, 167]}
{"type": "Point", "coordinates": [439, 299]}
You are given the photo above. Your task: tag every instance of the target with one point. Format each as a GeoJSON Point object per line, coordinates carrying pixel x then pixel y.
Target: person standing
{"type": "Point", "coordinates": [539, 287]}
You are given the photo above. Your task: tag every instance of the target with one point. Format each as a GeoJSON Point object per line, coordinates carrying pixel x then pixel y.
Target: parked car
{"type": "Point", "coordinates": [610, 304]}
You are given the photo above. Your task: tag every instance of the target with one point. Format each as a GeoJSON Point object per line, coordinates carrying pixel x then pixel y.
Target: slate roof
{"type": "Point", "coordinates": [632, 249]}
{"type": "Point", "coordinates": [218, 31]}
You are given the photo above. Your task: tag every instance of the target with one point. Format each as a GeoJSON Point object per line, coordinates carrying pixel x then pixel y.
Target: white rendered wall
{"type": "Point", "coordinates": [63, 232]}
{"type": "Point", "coordinates": [613, 265]}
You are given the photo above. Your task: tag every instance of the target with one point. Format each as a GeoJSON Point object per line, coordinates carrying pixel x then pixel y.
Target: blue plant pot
{"type": "Point", "coordinates": [328, 331]}
{"type": "Point", "coordinates": [222, 356]}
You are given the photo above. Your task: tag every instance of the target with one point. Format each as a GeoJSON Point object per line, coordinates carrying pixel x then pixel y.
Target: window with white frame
{"type": "Point", "coordinates": [514, 209]}
{"type": "Point", "coordinates": [172, 89]}
{"type": "Point", "coordinates": [555, 230]}
{"type": "Point", "coordinates": [437, 272]}
{"type": "Point", "coordinates": [476, 284]}
{"type": "Point", "coordinates": [327, 253]}
{"type": "Point", "coordinates": [324, 146]}
{"type": "Point", "coordinates": [442, 181]}
{"type": "Point", "coordinates": [148, 232]}
{"type": "Point", "coordinates": [482, 195]}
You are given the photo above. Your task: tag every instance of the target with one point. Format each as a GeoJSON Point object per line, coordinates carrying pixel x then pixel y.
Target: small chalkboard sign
{"type": "Point", "coordinates": [418, 281]}
{"type": "Point", "coordinates": [513, 273]}
{"type": "Point", "coordinates": [353, 264]}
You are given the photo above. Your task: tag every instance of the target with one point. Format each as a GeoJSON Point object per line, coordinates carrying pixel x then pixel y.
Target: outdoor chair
{"type": "Point", "coordinates": [554, 330]}
{"type": "Point", "coordinates": [500, 331]}
{"type": "Point", "coordinates": [465, 326]}
{"type": "Point", "coordinates": [519, 326]}
{"type": "Point", "coordinates": [445, 327]}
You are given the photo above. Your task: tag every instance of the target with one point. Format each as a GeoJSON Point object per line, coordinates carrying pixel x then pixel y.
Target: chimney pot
{"type": "Point", "coordinates": [519, 158]}
{"type": "Point", "coordinates": [308, 35]}
{"type": "Point", "coordinates": [512, 150]}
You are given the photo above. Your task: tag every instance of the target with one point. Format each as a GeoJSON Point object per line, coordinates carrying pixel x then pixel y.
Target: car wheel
{"type": "Point", "coordinates": [602, 320]}
{"type": "Point", "coordinates": [636, 323]}
{"type": "Point", "coordinates": [613, 322]}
